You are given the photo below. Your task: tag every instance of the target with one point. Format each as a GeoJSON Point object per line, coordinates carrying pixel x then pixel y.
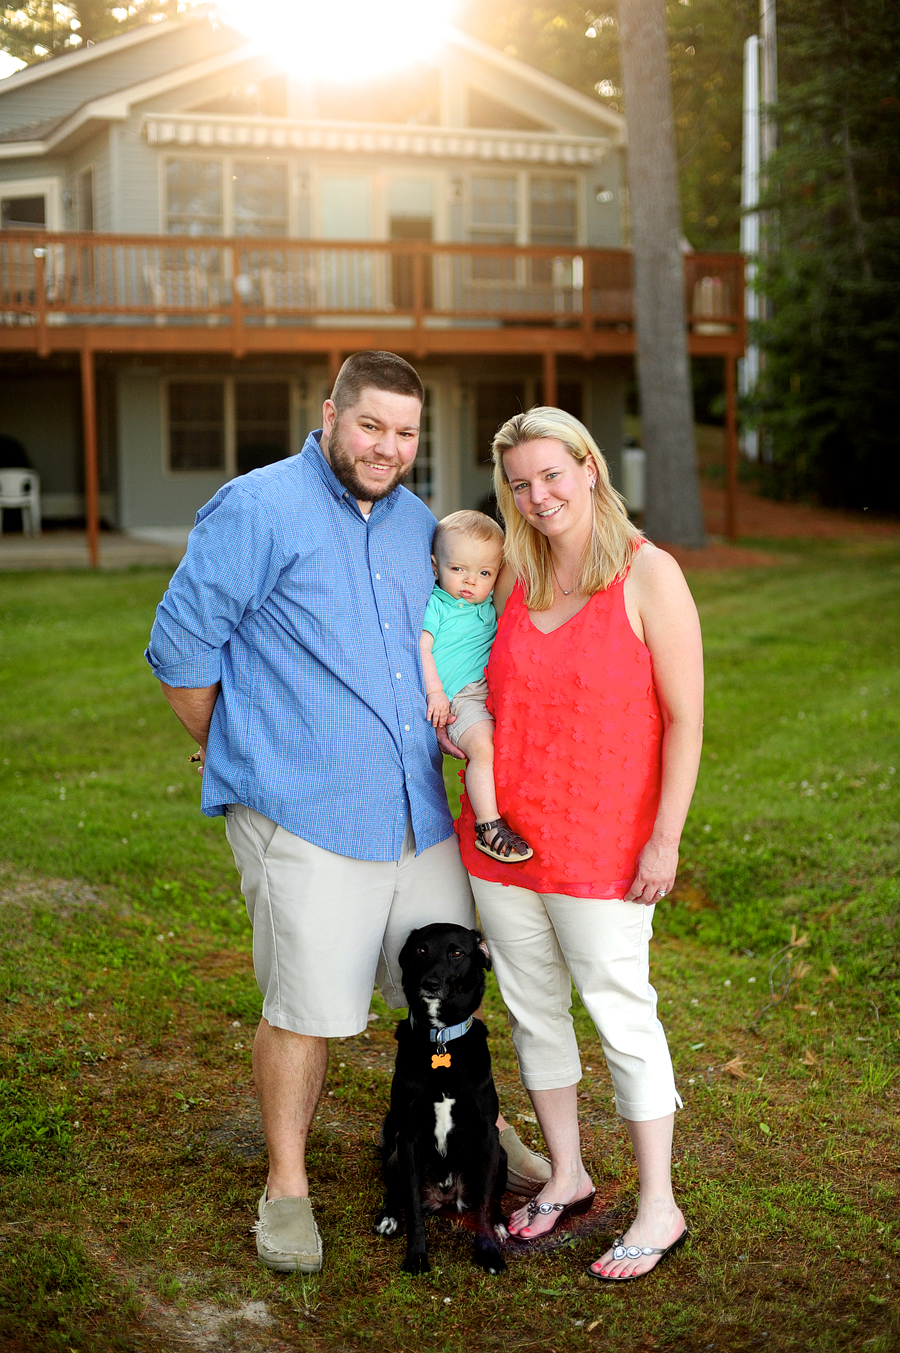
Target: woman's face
{"type": "Point", "coordinates": [552, 489]}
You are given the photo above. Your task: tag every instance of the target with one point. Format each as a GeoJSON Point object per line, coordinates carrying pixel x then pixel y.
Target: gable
{"type": "Point", "coordinates": [54, 89]}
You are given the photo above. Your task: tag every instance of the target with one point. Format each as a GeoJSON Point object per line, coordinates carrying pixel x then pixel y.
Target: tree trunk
{"type": "Point", "coordinates": [673, 513]}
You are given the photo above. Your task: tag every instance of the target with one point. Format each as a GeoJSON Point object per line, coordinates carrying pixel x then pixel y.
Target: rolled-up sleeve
{"type": "Point", "coordinates": [232, 563]}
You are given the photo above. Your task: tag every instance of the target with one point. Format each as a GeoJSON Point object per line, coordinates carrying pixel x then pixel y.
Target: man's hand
{"type": "Point", "coordinates": [446, 746]}
{"type": "Point", "coordinates": [438, 708]}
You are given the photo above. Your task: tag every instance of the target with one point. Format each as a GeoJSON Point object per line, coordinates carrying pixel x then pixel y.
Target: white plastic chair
{"type": "Point", "coordinates": [22, 489]}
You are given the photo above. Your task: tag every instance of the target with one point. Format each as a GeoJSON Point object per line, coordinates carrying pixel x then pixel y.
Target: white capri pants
{"type": "Point", "coordinates": [327, 927]}
{"type": "Point", "coordinates": [540, 943]}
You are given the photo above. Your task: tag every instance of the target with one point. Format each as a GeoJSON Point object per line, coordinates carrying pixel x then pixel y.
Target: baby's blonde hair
{"type": "Point", "coordinates": [466, 523]}
{"type": "Point", "coordinates": [614, 539]}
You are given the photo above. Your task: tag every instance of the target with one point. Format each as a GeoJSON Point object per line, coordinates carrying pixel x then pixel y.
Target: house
{"type": "Point", "coordinates": [193, 238]}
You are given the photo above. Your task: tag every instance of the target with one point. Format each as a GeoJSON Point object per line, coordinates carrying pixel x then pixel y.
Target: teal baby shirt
{"type": "Point", "coordinates": [463, 632]}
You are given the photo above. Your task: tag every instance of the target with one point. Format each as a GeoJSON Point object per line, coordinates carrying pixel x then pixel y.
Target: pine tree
{"type": "Point", "coordinates": [38, 29]}
{"type": "Point", "coordinates": [830, 400]}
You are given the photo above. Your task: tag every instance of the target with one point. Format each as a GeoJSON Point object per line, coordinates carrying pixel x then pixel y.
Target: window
{"type": "Point", "coordinates": [554, 210]}
{"type": "Point", "coordinates": [262, 417]}
{"type": "Point", "coordinates": [494, 209]}
{"type": "Point", "coordinates": [494, 221]}
{"type": "Point", "coordinates": [260, 198]}
{"type": "Point", "coordinates": [194, 197]}
{"type": "Point", "coordinates": [24, 213]}
{"type": "Point", "coordinates": [196, 425]}
{"type": "Point", "coordinates": [227, 425]}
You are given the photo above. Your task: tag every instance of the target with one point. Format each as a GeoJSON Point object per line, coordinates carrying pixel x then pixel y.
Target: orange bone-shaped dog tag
{"type": "Point", "coordinates": [440, 1059]}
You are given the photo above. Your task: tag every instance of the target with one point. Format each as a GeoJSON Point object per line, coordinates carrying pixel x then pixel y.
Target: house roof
{"type": "Point", "coordinates": [58, 134]}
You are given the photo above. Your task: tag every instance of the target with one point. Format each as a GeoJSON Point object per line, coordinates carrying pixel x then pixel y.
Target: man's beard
{"type": "Point", "coordinates": [344, 467]}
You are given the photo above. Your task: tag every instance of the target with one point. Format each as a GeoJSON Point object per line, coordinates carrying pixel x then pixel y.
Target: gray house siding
{"type": "Point", "coordinates": [74, 82]}
{"type": "Point", "coordinates": [149, 498]}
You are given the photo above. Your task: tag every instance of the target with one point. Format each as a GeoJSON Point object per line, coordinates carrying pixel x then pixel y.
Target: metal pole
{"type": "Point", "coordinates": [768, 77]}
{"type": "Point", "coordinates": [731, 450]}
{"type": "Point", "coordinates": [748, 366]}
{"type": "Point", "coordinates": [91, 472]}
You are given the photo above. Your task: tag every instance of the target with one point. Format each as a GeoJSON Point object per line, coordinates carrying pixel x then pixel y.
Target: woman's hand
{"type": "Point", "coordinates": [657, 867]}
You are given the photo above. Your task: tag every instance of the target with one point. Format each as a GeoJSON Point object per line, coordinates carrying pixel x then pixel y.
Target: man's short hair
{"type": "Point", "coordinates": [466, 523]}
{"type": "Point", "coordinates": [377, 371]}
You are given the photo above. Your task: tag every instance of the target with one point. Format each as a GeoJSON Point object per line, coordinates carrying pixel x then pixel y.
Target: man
{"type": "Point", "coordinates": [288, 646]}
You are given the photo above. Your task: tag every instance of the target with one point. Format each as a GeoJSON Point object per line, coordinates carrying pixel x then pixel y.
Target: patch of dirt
{"type": "Point", "coordinates": [762, 518]}
{"type": "Point", "coordinates": [63, 895]}
{"type": "Point", "coordinates": [204, 1328]}
{"type": "Point", "coordinates": [240, 1137]}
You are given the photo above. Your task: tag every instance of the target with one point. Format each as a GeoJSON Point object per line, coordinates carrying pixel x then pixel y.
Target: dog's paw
{"type": "Point", "coordinates": [501, 1232]}
{"type": "Point", "coordinates": [386, 1225]}
{"type": "Point", "coordinates": [416, 1263]}
{"type": "Point", "coordinates": [490, 1260]}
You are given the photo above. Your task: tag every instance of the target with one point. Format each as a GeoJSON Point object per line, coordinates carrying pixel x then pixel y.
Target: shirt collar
{"type": "Point", "coordinates": [312, 448]}
{"type": "Point", "coordinates": [485, 608]}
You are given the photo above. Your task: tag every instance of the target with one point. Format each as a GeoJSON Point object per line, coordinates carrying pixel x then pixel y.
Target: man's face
{"type": "Point", "coordinates": [372, 445]}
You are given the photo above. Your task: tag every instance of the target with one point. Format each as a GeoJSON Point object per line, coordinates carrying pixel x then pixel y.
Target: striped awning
{"type": "Point", "coordinates": [369, 139]}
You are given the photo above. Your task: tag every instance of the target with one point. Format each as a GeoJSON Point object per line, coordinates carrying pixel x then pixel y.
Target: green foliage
{"type": "Point", "coordinates": [36, 29]}
{"type": "Point", "coordinates": [830, 395]}
{"type": "Point", "coordinates": [30, 1127]}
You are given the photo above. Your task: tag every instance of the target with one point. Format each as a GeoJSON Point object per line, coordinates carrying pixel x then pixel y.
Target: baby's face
{"type": "Point", "coordinates": [467, 568]}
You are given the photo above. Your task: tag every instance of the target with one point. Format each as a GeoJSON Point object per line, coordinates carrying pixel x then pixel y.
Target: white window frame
{"type": "Point", "coordinates": [523, 198]}
{"type": "Point", "coordinates": [296, 399]}
{"type": "Point", "coordinates": [49, 188]}
{"type": "Point", "coordinates": [226, 164]}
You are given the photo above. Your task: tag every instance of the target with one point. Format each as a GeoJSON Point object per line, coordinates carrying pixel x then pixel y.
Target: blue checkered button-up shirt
{"type": "Point", "coordinates": [310, 616]}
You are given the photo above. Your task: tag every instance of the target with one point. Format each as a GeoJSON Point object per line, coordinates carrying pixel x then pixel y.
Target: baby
{"type": "Point", "coordinates": [458, 631]}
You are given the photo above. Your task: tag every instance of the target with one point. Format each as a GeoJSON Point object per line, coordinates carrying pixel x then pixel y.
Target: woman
{"type": "Point", "coordinates": [596, 683]}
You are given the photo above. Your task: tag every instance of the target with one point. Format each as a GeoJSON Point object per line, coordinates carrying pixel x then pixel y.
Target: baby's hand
{"type": "Point", "coordinates": [438, 709]}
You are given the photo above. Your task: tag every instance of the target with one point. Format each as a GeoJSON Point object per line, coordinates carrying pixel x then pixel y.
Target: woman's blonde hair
{"type": "Point", "coordinates": [614, 539]}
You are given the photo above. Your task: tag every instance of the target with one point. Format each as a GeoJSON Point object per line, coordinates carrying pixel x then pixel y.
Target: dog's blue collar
{"type": "Point", "coordinates": [442, 1036]}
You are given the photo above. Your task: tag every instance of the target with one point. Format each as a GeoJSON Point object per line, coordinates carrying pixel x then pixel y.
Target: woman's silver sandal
{"type": "Point", "coordinates": [623, 1251]}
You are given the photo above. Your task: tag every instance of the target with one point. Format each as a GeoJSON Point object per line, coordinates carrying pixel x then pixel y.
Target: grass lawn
{"type": "Point", "coordinates": [130, 1150]}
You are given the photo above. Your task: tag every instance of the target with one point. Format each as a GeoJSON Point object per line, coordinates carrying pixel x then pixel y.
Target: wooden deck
{"type": "Point", "coordinates": [88, 293]}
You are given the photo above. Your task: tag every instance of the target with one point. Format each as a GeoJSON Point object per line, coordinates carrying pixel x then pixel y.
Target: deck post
{"type": "Point", "coordinates": [731, 449]}
{"type": "Point", "coordinates": [551, 393]}
{"type": "Point", "coordinates": [40, 300]}
{"type": "Point", "coordinates": [91, 473]}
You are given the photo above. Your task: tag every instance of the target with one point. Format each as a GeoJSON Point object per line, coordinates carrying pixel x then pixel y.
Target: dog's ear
{"type": "Point", "coordinates": [484, 954]}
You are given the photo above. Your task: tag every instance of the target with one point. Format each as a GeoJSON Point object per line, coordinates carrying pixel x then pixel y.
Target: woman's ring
{"type": "Point", "coordinates": [662, 892]}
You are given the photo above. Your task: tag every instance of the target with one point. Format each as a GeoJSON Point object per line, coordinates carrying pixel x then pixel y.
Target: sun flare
{"type": "Point", "coordinates": [351, 41]}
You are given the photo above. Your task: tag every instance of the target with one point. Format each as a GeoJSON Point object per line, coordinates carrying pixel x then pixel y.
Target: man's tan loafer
{"type": "Point", "coordinates": [526, 1171]}
{"type": "Point", "coordinates": [287, 1237]}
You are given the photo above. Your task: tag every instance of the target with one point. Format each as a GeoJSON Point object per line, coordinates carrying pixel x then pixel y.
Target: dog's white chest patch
{"type": "Point", "coordinates": [443, 1123]}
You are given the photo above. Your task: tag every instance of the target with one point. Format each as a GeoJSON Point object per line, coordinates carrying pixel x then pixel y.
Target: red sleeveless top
{"type": "Point", "coordinates": [577, 749]}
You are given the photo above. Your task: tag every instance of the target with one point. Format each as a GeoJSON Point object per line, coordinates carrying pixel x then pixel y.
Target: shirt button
{"type": "Point", "coordinates": [378, 576]}
{"type": "Point", "coordinates": [398, 676]}
{"type": "Point", "coordinates": [406, 726]}
{"type": "Point", "coordinates": [386, 625]}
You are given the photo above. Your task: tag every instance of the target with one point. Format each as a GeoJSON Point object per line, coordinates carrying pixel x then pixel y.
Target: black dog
{"type": "Point", "coordinates": [439, 1142]}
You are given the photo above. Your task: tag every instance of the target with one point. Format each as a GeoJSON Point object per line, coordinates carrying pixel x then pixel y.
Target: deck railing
{"type": "Point", "coordinates": [174, 279]}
